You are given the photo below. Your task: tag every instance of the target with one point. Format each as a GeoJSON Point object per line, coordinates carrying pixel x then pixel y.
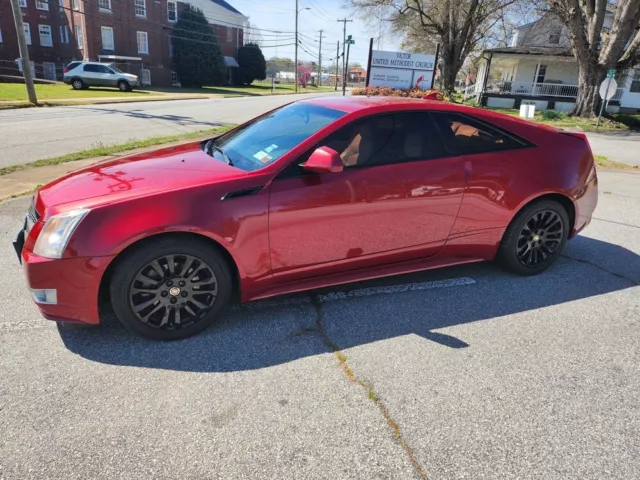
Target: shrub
{"type": "Point", "coordinates": [252, 64]}
{"type": "Point", "coordinates": [398, 92]}
{"type": "Point", "coordinates": [553, 115]}
{"type": "Point", "coordinates": [197, 57]}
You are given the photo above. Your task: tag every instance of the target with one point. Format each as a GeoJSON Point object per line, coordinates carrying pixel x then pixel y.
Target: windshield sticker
{"type": "Point", "coordinates": [262, 156]}
{"type": "Point", "coordinates": [271, 148]}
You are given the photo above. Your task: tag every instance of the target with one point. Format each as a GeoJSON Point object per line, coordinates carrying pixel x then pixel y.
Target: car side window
{"type": "Point", "coordinates": [365, 142]}
{"type": "Point", "coordinates": [103, 69]}
{"type": "Point", "coordinates": [464, 134]}
{"type": "Point", "coordinates": [72, 65]}
{"type": "Point", "coordinates": [90, 68]}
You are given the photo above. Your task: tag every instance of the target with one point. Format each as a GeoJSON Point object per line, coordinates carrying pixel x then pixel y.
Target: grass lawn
{"type": "Point", "coordinates": [586, 124]}
{"type": "Point", "coordinates": [18, 92]}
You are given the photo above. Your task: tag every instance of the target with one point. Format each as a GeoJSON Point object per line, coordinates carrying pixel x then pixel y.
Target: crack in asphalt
{"type": "Point", "coordinates": [373, 396]}
{"type": "Point", "coordinates": [606, 270]}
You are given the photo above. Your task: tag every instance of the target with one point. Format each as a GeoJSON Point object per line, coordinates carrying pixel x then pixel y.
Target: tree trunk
{"type": "Point", "coordinates": [588, 97]}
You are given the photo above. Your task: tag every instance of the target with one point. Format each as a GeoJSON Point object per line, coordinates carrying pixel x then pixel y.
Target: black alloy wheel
{"type": "Point", "coordinates": [540, 237]}
{"type": "Point", "coordinates": [170, 288]}
{"type": "Point", "coordinates": [535, 238]}
{"type": "Point", "coordinates": [173, 292]}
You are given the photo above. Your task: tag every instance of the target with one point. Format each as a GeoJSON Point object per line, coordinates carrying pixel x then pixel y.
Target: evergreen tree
{"type": "Point", "coordinates": [252, 64]}
{"type": "Point", "coordinates": [197, 56]}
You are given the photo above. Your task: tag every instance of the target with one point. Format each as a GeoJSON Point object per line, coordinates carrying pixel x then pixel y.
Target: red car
{"type": "Point", "coordinates": [319, 192]}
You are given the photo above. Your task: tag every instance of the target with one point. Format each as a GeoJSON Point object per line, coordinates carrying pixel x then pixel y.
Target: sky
{"type": "Point", "coordinates": [279, 15]}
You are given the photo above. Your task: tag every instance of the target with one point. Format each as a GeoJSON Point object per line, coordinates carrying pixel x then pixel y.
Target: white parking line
{"type": "Point", "coordinates": [407, 287]}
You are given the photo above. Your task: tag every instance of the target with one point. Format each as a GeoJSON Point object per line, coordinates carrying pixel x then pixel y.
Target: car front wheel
{"type": "Point", "coordinates": [171, 288]}
{"type": "Point", "coordinates": [535, 238]}
{"type": "Point", "coordinates": [124, 86]}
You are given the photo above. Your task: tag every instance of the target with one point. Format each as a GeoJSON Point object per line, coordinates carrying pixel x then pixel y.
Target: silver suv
{"type": "Point", "coordinates": [81, 75]}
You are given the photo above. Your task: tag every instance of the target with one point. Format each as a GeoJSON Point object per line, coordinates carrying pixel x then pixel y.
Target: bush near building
{"type": "Point", "coordinates": [398, 92]}
{"type": "Point", "coordinates": [197, 56]}
{"type": "Point", "coordinates": [253, 66]}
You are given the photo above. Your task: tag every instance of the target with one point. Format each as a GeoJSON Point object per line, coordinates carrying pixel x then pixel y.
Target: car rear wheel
{"type": "Point", "coordinates": [170, 289]}
{"type": "Point", "coordinates": [124, 86]}
{"type": "Point", "coordinates": [77, 84]}
{"type": "Point", "coordinates": [535, 238]}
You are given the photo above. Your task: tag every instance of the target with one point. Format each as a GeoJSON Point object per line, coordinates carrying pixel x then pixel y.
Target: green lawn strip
{"type": "Point", "coordinates": [603, 162]}
{"type": "Point", "coordinates": [255, 89]}
{"type": "Point", "coordinates": [101, 150]}
{"type": "Point", "coordinates": [565, 121]}
{"type": "Point", "coordinates": [18, 92]}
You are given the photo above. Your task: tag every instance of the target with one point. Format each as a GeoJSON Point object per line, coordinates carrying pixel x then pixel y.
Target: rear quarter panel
{"type": "Point", "coordinates": [502, 183]}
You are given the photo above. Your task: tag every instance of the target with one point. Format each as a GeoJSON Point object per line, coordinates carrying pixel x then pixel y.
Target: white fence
{"type": "Point", "coordinates": [538, 89]}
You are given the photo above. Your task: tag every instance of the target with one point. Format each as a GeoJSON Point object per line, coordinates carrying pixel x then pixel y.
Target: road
{"type": "Point", "coordinates": [459, 373]}
{"type": "Point", "coordinates": [34, 134]}
{"type": "Point", "coordinates": [620, 146]}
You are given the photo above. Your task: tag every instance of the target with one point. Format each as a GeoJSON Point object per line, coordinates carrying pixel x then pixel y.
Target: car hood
{"type": "Point", "coordinates": [145, 173]}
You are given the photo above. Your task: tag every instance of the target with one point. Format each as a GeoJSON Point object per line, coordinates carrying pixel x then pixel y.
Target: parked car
{"type": "Point", "coordinates": [81, 75]}
{"type": "Point", "coordinates": [319, 192]}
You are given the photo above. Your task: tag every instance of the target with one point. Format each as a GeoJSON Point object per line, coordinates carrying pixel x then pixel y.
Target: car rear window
{"type": "Point", "coordinates": [91, 68]}
{"type": "Point", "coordinates": [73, 65]}
{"type": "Point", "coordinates": [467, 135]}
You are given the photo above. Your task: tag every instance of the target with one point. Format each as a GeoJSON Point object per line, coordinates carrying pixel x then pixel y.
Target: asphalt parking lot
{"type": "Point", "coordinates": [460, 373]}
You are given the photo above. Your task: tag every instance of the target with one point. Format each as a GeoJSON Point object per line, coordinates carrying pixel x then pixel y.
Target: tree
{"type": "Point", "coordinates": [197, 57]}
{"type": "Point", "coordinates": [603, 36]}
{"type": "Point", "coordinates": [460, 26]}
{"type": "Point", "coordinates": [282, 64]}
{"type": "Point", "coordinates": [304, 75]}
{"type": "Point", "coordinates": [253, 66]}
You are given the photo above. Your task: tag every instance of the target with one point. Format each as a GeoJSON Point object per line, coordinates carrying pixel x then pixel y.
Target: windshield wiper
{"type": "Point", "coordinates": [213, 146]}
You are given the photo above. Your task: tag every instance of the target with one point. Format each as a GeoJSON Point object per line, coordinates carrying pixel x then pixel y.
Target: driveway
{"type": "Point", "coordinates": [458, 373]}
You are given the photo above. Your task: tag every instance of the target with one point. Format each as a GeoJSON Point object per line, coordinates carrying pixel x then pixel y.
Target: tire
{"type": "Point", "coordinates": [124, 86]}
{"type": "Point", "coordinates": [527, 235]}
{"type": "Point", "coordinates": [161, 319]}
{"type": "Point", "coordinates": [78, 84]}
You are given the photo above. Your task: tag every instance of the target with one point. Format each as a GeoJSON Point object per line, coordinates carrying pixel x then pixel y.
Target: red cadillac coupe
{"type": "Point", "coordinates": [318, 192]}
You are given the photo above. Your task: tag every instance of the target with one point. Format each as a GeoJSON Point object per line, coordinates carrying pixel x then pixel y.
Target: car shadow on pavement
{"type": "Point", "coordinates": [268, 333]}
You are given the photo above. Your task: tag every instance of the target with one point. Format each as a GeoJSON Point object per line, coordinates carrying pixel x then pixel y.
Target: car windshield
{"type": "Point", "coordinates": [115, 69]}
{"type": "Point", "coordinates": [269, 137]}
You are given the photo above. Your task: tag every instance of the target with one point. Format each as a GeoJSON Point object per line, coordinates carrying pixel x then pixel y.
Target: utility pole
{"type": "Point", "coordinates": [24, 52]}
{"type": "Point", "coordinates": [320, 61]}
{"type": "Point", "coordinates": [346, 72]}
{"type": "Point", "coordinates": [295, 66]}
{"type": "Point", "coordinates": [337, 65]}
{"type": "Point", "coordinates": [344, 40]}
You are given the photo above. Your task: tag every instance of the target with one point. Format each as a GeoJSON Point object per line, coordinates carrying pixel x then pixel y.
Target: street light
{"type": "Point", "coordinates": [298, 10]}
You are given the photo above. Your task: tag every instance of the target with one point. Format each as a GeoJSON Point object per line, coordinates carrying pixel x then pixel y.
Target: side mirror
{"type": "Point", "coordinates": [324, 160]}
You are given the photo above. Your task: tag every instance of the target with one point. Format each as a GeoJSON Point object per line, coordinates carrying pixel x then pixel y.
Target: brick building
{"type": "Point", "coordinates": [133, 34]}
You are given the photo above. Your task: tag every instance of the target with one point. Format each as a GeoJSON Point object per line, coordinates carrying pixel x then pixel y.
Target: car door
{"type": "Point", "coordinates": [396, 200]}
{"type": "Point", "coordinates": [90, 74]}
{"type": "Point", "coordinates": [108, 77]}
{"type": "Point", "coordinates": [491, 155]}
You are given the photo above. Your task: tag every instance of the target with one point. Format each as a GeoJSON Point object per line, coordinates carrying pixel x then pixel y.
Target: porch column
{"type": "Point", "coordinates": [483, 97]}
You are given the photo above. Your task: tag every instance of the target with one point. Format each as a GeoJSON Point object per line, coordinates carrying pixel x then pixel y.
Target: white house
{"type": "Point", "coordinates": [539, 66]}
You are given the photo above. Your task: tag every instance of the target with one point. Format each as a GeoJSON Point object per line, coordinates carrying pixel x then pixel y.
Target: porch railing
{"type": "Point", "coordinates": [538, 89]}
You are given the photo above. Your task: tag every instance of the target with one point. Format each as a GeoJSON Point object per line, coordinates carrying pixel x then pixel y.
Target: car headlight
{"type": "Point", "coordinates": [56, 233]}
